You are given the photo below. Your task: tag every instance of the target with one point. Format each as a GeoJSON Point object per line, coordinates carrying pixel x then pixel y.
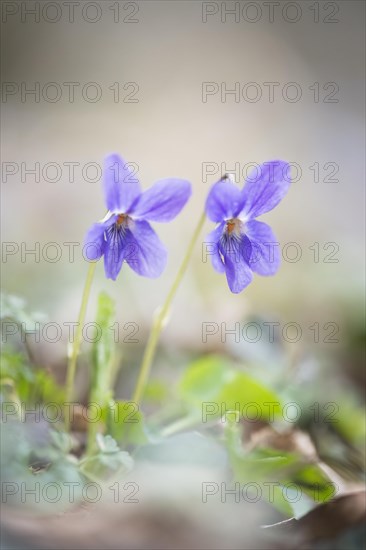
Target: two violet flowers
{"type": "Point", "coordinates": [238, 245]}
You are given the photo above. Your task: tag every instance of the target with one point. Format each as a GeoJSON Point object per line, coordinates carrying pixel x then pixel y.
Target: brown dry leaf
{"type": "Point", "coordinates": [292, 441]}
{"type": "Point", "coordinates": [327, 521]}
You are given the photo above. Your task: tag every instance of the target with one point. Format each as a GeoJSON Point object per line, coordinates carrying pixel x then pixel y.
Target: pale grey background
{"type": "Point", "coordinates": [171, 132]}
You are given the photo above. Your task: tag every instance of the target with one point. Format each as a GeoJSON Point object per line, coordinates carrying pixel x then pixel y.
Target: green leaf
{"type": "Point", "coordinates": [46, 390]}
{"type": "Point", "coordinates": [203, 380]}
{"type": "Point", "coordinates": [14, 307]}
{"type": "Point", "coordinates": [313, 482]}
{"type": "Point", "coordinates": [29, 385]}
{"type": "Point", "coordinates": [125, 422]}
{"type": "Point", "coordinates": [103, 363]}
{"type": "Point", "coordinates": [15, 371]}
{"type": "Point", "coordinates": [214, 388]}
{"type": "Point", "coordinates": [250, 398]}
{"type": "Point", "coordinates": [27, 446]}
{"type": "Point", "coordinates": [284, 479]}
{"type": "Point", "coordinates": [107, 462]}
{"type": "Point", "coordinates": [103, 351]}
{"type": "Point", "coordinates": [350, 421]}
{"type": "Point", "coordinates": [107, 444]}
{"type": "Point", "coordinates": [156, 391]}
{"type": "Point", "coordinates": [275, 496]}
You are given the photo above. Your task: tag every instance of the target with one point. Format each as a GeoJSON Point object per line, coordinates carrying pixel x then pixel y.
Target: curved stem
{"type": "Point", "coordinates": [71, 367]}
{"type": "Point", "coordinates": [161, 316]}
{"type": "Point", "coordinates": [179, 425]}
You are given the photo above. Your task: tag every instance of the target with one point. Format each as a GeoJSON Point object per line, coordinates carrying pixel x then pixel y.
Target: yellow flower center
{"type": "Point", "coordinates": [233, 226]}
{"type": "Point", "coordinates": [122, 219]}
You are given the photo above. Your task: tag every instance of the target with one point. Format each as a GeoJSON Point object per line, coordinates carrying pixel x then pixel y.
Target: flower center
{"type": "Point", "coordinates": [233, 226]}
{"type": "Point", "coordinates": [122, 219]}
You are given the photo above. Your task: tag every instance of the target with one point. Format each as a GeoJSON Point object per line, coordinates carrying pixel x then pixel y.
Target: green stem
{"type": "Point", "coordinates": [179, 425]}
{"type": "Point", "coordinates": [93, 427]}
{"type": "Point", "coordinates": [161, 315]}
{"type": "Point", "coordinates": [71, 367]}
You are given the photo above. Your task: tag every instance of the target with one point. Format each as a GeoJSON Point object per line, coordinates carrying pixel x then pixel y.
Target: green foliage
{"type": "Point", "coordinates": [37, 469]}
{"type": "Point", "coordinates": [278, 473]}
{"type": "Point", "coordinates": [212, 380]}
{"type": "Point", "coordinates": [243, 393]}
{"type": "Point", "coordinates": [125, 423]}
{"type": "Point", "coordinates": [36, 452]}
{"type": "Point", "coordinates": [108, 461]}
{"type": "Point", "coordinates": [14, 308]}
{"type": "Point", "coordinates": [351, 420]}
{"type": "Point", "coordinates": [156, 391]}
{"type": "Point", "coordinates": [204, 379]}
{"type": "Point", "coordinates": [103, 352]}
{"type": "Point", "coordinates": [122, 420]}
{"type": "Point", "coordinates": [102, 364]}
{"type": "Point", "coordinates": [21, 382]}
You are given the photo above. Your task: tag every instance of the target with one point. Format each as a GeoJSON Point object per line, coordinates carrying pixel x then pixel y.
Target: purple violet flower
{"type": "Point", "coordinates": [240, 244]}
{"type": "Point", "coordinates": [125, 233]}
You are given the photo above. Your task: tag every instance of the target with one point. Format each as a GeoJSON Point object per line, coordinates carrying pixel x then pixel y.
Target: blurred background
{"type": "Point", "coordinates": [131, 77]}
